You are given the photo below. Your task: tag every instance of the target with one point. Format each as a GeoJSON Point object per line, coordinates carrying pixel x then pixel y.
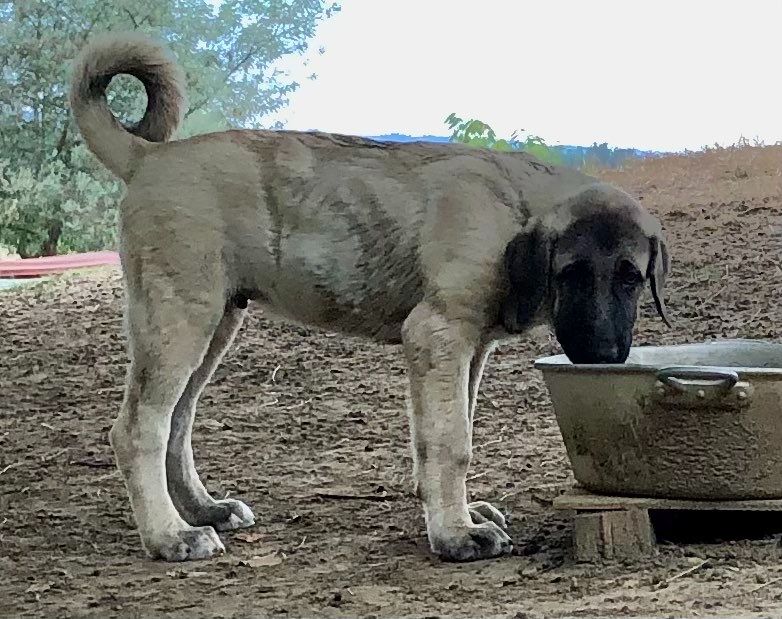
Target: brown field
{"type": "Point", "coordinates": [294, 418]}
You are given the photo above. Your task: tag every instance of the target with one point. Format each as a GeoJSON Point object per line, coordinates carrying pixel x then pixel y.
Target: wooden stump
{"type": "Point", "coordinates": [619, 534]}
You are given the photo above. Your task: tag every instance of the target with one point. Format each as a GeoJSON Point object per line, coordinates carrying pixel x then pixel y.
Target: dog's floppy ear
{"type": "Point", "coordinates": [528, 268]}
{"type": "Point", "coordinates": [657, 270]}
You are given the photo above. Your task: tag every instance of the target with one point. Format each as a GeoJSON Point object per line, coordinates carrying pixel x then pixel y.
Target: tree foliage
{"type": "Point", "coordinates": [480, 135]}
{"type": "Point", "coordinates": [53, 195]}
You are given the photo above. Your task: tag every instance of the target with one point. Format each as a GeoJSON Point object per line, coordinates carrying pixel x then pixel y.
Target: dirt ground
{"type": "Point", "coordinates": [310, 430]}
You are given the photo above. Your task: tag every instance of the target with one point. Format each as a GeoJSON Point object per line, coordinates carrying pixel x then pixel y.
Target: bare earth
{"type": "Point", "coordinates": [311, 430]}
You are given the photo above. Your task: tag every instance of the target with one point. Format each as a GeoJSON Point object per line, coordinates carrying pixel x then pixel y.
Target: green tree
{"type": "Point", "coordinates": [480, 135]}
{"type": "Point", "coordinates": [53, 195]}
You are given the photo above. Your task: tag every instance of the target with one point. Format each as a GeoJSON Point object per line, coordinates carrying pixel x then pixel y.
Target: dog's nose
{"type": "Point", "coordinates": [607, 354]}
{"type": "Point", "coordinates": [595, 354]}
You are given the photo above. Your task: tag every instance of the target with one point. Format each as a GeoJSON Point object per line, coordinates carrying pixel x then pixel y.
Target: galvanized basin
{"type": "Point", "coordinates": [693, 421]}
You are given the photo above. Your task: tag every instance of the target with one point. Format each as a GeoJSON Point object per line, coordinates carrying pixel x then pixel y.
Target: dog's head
{"type": "Point", "coordinates": [585, 265]}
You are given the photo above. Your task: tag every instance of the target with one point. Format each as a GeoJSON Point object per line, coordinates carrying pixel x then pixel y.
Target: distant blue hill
{"type": "Point", "coordinates": [575, 156]}
{"type": "Point", "coordinates": [401, 137]}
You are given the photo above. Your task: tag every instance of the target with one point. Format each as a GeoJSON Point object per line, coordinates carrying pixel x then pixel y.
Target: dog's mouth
{"type": "Point", "coordinates": [602, 354]}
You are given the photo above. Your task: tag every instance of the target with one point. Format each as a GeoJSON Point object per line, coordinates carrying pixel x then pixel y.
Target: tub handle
{"type": "Point", "coordinates": [722, 381]}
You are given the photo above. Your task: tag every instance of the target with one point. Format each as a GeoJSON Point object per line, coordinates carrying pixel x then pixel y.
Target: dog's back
{"type": "Point", "coordinates": [327, 229]}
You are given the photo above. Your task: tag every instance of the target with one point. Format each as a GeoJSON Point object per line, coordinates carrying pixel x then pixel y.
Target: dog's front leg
{"type": "Point", "coordinates": [439, 353]}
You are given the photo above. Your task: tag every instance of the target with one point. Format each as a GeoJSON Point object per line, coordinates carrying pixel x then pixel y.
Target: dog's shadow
{"type": "Point", "coordinates": [713, 527]}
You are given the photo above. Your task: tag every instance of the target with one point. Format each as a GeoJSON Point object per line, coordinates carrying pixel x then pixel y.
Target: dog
{"type": "Point", "coordinates": [443, 249]}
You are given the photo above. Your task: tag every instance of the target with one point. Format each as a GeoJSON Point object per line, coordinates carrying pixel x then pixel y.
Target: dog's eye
{"type": "Point", "coordinates": [574, 271]}
{"type": "Point", "coordinates": [629, 275]}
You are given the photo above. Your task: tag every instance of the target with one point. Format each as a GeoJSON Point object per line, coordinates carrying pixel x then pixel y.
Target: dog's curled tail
{"type": "Point", "coordinates": [118, 146]}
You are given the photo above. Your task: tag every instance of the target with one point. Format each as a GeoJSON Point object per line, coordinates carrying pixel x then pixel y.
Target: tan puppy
{"type": "Point", "coordinates": [442, 248]}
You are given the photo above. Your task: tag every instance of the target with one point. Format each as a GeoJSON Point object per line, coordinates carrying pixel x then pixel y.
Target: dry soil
{"type": "Point", "coordinates": [310, 429]}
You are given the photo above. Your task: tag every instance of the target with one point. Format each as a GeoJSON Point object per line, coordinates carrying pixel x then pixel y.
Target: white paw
{"type": "Point", "coordinates": [481, 511]}
{"type": "Point", "coordinates": [188, 544]}
{"type": "Point", "coordinates": [239, 515]}
{"type": "Point", "coordinates": [471, 542]}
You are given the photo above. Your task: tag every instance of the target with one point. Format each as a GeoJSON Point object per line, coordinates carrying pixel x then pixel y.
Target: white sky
{"type": "Point", "coordinates": [658, 74]}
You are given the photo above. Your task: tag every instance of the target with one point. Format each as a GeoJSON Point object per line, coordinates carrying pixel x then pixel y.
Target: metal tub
{"type": "Point", "coordinates": [692, 421]}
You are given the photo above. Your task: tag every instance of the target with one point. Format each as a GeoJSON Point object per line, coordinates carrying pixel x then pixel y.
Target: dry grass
{"type": "Point", "coordinates": [710, 177]}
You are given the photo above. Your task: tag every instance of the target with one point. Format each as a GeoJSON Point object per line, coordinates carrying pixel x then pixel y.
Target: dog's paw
{"type": "Point", "coordinates": [223, 515]}
{"type": "Point", "coordinates": [471, 543]}
{"type": "Point", "coordinates": [481, 511]}
{"type": "Point", "coordinates": [233, 515]}
{"type": "Point", "coordinates": [188, 544]}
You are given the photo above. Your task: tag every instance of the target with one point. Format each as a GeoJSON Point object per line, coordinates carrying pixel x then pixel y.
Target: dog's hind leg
{"type": "Point", "coordinates": [481, 511]}
{"type": "Point", "coordinates": [477, 365]}
{"type": "Point", "coordinates": [187, 491]}
{"type": "Point", "coordinates": [170, 326]}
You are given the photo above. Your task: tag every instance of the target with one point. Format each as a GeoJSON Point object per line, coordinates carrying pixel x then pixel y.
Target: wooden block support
{"type": "Point", "coordinates": [618, 534]}
{"type": "Point", "coordinates": [613, 527]}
